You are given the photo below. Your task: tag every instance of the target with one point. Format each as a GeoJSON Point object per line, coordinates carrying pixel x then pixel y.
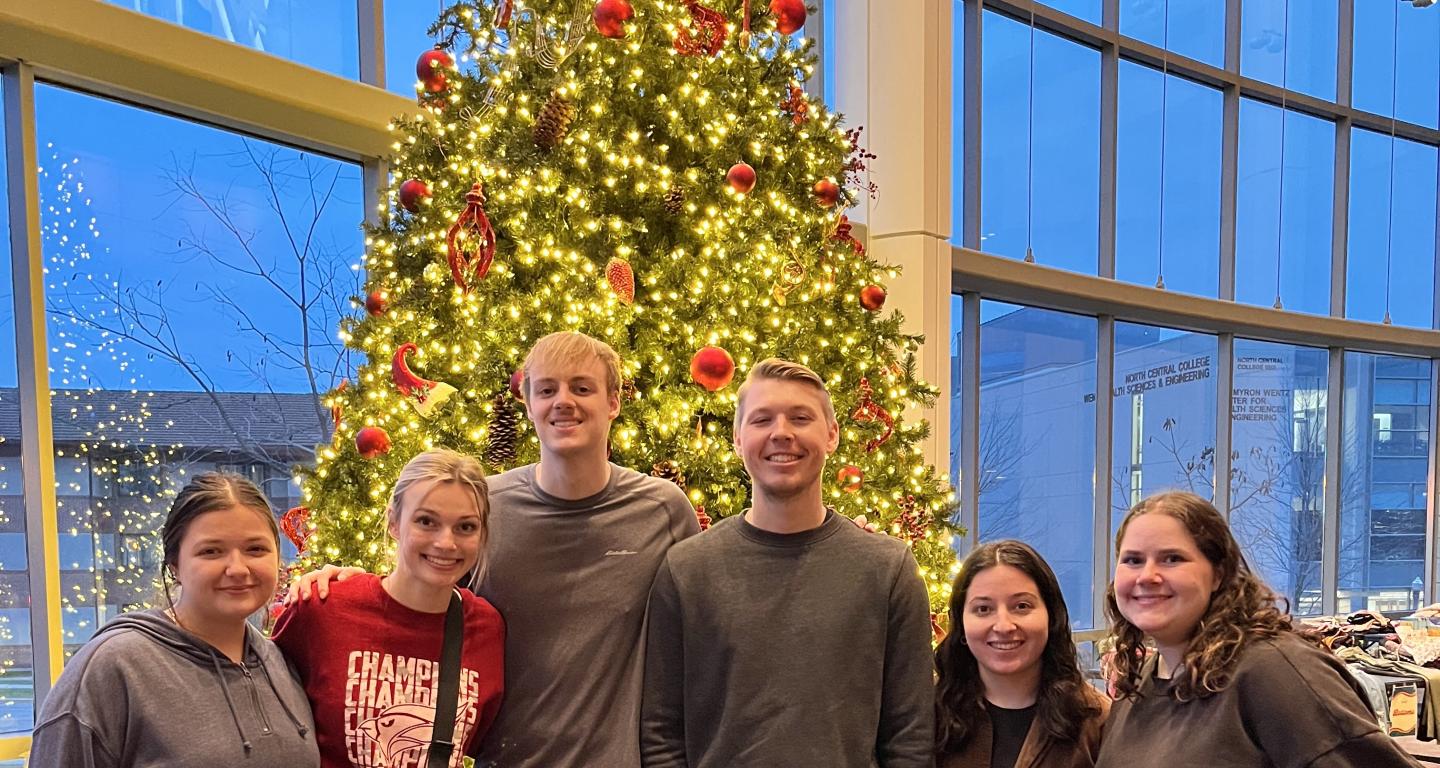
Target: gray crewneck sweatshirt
{"type": "Point", "coordinates": [803, 649]}
{"type": "Point", "coordinates": [145, 693]}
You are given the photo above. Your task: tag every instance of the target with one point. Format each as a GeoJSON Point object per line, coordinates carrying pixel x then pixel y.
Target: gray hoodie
{"type": "Point", "coordinates": [144, 692]}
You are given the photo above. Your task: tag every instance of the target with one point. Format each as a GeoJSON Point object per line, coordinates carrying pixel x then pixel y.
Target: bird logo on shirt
{"type": "Point", "coordinates": [399, 729]}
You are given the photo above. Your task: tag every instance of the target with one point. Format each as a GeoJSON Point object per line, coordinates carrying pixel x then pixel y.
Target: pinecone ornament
{"type": "Point", "coordinates": [669, 470]}
{"type": "Point", "coordinates": [622, 280]}
{"type": "Point", "coordinates": [675, 200]}
{"type": "Point", "coordinates": [554, 120]}
{"type": "Point", "coordinates": [503, 433]}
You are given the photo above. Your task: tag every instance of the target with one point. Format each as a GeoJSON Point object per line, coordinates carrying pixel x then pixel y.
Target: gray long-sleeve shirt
{"type": "Point", "coordinates": [571, 579]}
{"type": "Point", "coordinates": [806, 649]}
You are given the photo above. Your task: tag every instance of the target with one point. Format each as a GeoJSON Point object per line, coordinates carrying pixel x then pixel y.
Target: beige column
{"type": "Point", "coordinates": [893, 76]}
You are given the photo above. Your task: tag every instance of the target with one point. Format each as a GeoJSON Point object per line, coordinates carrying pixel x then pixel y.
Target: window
{"type": "Point", "coordinates": [1196, 27]}
{"type": "Point", "coordinates": [1188, 188]}
{"type": "Point", "coordinates": [162, 235]}
{"type": "Point", "coordinates": [406, 23]}
{"type": "Point", "coordinates": [1042, 193]}
{"type": "Point", "coordinates": [1282, 247]}
{"type": "Point", "coordinates": [1390, 256]}
{"type": "Point", "coordinates": [1277, 479]}
{"type": "Point", "coordinates": [1291, 43]}
{"type": "Point", "coordinates": [1087, 10]}
{"type": "Point", "coordinates": [317, 33]}
{"type": "Point", "coordinates": [1384, 468]}
{"type": "Point", "coordinates": [1397, 40]}
{"type": "Point", "coordinates": [1164, 400]}
{"type": "Point", "coordinates": [1037, 438]}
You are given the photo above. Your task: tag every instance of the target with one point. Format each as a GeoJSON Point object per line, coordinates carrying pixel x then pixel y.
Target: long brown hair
{"type": "Point", "coordinates": [1242, 609]}
{"type": "Point", "coordinates": [1062, 705]}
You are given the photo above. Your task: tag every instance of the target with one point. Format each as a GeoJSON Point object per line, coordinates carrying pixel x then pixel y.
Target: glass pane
{"type": "Point", "coordinates": [1382, 483]}
{"type": "Point", "coordinates": [827, 63]}
{"type": "Point", "coordinates": [1391, 38]}
{"type": "Point", "coordinates": [1189, 187]}
{"type": "Point", "coordinates": [1277, 476]}
{"type": "Point", "coordinates": [957, 121]}
{"type": "Point", "coordinates": [1390, 256]}
{"type": "Point", "coordinates": [1089, 10]}
{"type": "Point", "coordinates": [17, 672]}
{"type": "Point", "coordinates": [317, 33]}
{"type": "Point", "coordinates": [1059, 214]}
{"type": "Point", "coordinates": [406, 24]}
{"type": "Point", "coordinates": [1164, 414]}
{"type": "Point", "coordinates": [160, 236]}
{"type": "Point", "coordinates": [1037, 438]}
{"type": "Point", "coordinates": [1298, 273]}
{"type": "Point", "coordinates": [1291, 43]}
{"type": "Point", "coordinates": [1196, 27]}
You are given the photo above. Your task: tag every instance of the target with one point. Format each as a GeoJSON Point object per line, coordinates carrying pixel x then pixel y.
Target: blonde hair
{"type": "Point", "coordinates": [776, 369]}
{"type": "Point", "coordinates": [442, 465]}
{"type": "Point", "coordinates": [566, 349]}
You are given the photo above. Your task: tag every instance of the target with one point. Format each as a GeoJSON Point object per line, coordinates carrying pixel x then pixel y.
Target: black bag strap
{"type": "Point", "coordinates": [448, 695]}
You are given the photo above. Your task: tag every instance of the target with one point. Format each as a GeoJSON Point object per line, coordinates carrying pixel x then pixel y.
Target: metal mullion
{"type": "Point", "coordinates": [969, 354]}
{"type": "Point", "coordinates": [1224, 401]}
{"type": "Point", "coordinates": [1109, 118]}
{"type": "Point", "coordinates": [371, 17]}
{"type": "Point", "coordinates": [1232, 36]}
{"type": "Point", "coordinates": [1229, 186]}
{"type": "Point", "coordinates": [1340, 218]}
{"type": "Point", "coordinates": [1431, 531]}
{"type": "Point", "coordinates": [974, 22]}
{"type": "Point", "coordinates": [1104, 463]}
{"type": "Point", "coordinates": [1330, 511]}
{"type": "Point", "coordinates": [37, 454]}
{"type": "Point", "coordinates": [1344, 52]}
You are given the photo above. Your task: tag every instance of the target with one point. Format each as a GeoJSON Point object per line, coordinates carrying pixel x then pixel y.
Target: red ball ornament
{"type": "Point", "coordinates": [516, 380]}
{"type": "Point", "coordinates": [412, 193]}
{"type": "Point", "coordinates": [789, 15]}
{"type": "Point", "coordinates": [827, 193]}
{"type": "Point", "coordinates": [741, 177]}
{"type": "Point", "coordinates": [712, 368]}
{"type": "Point", "coordinates": [850, 478]}
{"type": "Point", "coordinates": [372, 442]}
{"type": "Point", "coordinates": [872, 297]}
{"type": "Point", "coordinates": [610, 17]}
{"type": "Point", "coordinates": [376, 303]}
{"type": "Point", "coordinates": [431, 67]}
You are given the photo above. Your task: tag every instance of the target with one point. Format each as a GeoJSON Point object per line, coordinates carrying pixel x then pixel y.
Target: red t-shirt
{"type": "Point", "coordinates": [370, 667]}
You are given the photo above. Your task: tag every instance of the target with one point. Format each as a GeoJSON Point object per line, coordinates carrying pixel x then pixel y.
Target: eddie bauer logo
{"type": "Point", "coordinates": [615, 552]}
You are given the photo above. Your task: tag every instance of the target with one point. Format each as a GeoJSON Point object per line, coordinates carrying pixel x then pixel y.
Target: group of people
{"type": "Point", "coordinates": [599, 630]}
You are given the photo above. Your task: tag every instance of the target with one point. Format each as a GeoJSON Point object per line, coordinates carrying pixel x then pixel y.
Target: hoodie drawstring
{"type": "Point", "coordinates": [299, 726]}
{"type": "Point", "coordinates": [234, 715]}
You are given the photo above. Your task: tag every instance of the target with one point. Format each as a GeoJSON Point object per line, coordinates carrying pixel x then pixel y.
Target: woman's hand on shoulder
{"type": "Point", "coordinates": [318, 582]}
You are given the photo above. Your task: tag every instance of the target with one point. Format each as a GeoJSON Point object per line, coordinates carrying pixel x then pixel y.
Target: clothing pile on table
{"type": "Point", "coordinates": [1397, 663]}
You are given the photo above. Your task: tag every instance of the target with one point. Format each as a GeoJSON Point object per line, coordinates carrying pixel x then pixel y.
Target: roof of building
{"type": "Point", "coordinates": [224, 421]}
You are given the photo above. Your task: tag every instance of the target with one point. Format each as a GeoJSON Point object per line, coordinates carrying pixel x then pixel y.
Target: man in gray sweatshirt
{"type": "Point", "coordinates": [787, 636]}
{"type": "Point", "coordinates": [574, 544]}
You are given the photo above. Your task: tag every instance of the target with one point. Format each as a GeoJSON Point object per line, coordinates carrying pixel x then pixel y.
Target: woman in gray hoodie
{"type": "Point", "coordinates": [191, 685]}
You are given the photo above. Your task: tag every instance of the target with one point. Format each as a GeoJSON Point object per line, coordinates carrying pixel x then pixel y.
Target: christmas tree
{"type": "Point", "coordinates": [652, 174]}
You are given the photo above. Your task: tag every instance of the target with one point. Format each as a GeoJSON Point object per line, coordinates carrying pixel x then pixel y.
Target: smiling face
{"type": "Point", "coordinates": [1163, 583]}
{"type": "Point", "coordinates": [438, 535]}
{"type": "Point", "coordinates": [570, 406]}
{"type": "Point", "coordinates": [1006, 625]}
{"type": "Point", "coordinates": [227, 565]}
{"type": "Point", "coordinates": [783, 437]}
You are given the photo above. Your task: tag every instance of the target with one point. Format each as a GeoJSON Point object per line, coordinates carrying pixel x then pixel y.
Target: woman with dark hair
{"type": "Point", "coordinates": [191, 685]}
{"type": "Point", "coordinates": [1010, 692]}
{"type": "Point", "coordinates": [1230, 683]}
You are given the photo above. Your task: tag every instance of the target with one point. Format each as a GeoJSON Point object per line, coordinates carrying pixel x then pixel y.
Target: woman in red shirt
{"type": "Point", "coordinates": [369, 656]}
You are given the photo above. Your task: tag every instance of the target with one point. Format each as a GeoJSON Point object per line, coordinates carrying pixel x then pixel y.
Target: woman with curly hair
{"type": "Point", "coordinates": [1231, 683]}
{"type": "Point", "coordinates": [1010, 692]}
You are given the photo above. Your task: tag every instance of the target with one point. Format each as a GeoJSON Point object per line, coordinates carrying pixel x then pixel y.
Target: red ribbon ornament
{"type": "Point", "coordinates": [296, 525]}
{"type": "Point", "coordinates": [710, 32]}
{"type": "Point", "coordinates": [473, 227]}
{"type": "Point", "coordinates": [502, 16]}
{"type": "Point", "coordinates": [842, 233]}
{"type": "Point", "coordinates": [868, 411]}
